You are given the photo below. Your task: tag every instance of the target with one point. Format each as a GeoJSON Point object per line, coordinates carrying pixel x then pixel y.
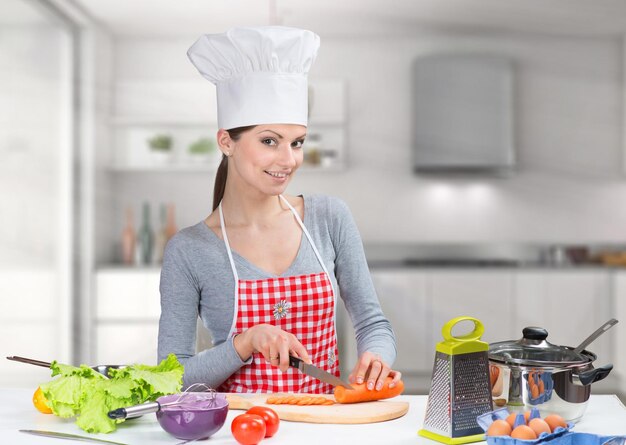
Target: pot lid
{"type": "Point", "coordinates": [534, 350]}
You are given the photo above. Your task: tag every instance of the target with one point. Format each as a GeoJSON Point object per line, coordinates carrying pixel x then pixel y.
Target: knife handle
{"type": "Point", "coordinates": [294, 362]}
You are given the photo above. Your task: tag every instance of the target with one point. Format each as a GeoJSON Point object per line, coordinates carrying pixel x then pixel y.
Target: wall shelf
{"type": "Point", "coordinates": [171, 168]}
{"type": "Point", "coordinates": [198, 168]}
{"type": "Point", "coordinates": [161, 121]}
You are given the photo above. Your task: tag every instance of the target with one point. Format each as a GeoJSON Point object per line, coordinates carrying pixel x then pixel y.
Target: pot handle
{"type": "Point", "coordinates": [594, 375]}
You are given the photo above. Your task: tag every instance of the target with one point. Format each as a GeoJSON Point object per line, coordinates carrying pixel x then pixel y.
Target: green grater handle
{"type": "Point", "coordinates": [478, 331]}
{"type": "Point", "coordinates": [462, 344]}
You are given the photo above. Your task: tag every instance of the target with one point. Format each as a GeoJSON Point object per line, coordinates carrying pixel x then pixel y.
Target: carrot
{"type": "Point", "coordinates": [299, 400]}
{"type": "Point", "coordinates": [360, 393]}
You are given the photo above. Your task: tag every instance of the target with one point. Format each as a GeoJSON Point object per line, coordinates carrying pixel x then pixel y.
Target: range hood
{"type": "Point", "coordinates": [463, 113]}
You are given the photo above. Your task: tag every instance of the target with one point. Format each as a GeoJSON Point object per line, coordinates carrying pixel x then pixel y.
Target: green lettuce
{"type": "Point", "coordinates": [88, 395]}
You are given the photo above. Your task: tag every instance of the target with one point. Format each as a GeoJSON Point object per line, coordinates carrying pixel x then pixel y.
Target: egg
{"type": "Point", "coordinates": [499, 427]}
{"type": "Point", "coordinates": [511, 418]}
{"type": "Point", "coordinates": [523, 432]}
{"type": "Point", "coordinates": [534, 391]}
{"type": "Point", "coordinates": [554, 420]}
{"type": "Point", "coordinates": [539, 426]}
{"type": "Point", "coordinates": [541, 387]}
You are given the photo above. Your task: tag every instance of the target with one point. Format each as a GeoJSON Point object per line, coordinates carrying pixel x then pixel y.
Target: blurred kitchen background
{"type": "Point", "coordinates": [480, 145]}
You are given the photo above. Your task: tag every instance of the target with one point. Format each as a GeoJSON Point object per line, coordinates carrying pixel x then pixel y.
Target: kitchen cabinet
{"type": "Point", "coordinates": [32, 315]}
{"type": "Point", "coordinates": [618, 375]}
{"type": "Point", "coordinates": [405, 299]}
{"type": "Point", "coordinates": [127, 316]}
{"type": "Point", "coordinates": [570, 304]}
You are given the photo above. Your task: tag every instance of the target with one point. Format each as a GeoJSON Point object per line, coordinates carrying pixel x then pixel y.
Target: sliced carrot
{"type": "Point", "coordinates": [360, 393]}
{"type": "Point", "coordinates": [299, 400]}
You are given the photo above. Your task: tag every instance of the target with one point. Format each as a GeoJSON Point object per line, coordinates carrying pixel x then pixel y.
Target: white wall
{"type": "Point", "coordinates": [30, 88]}
{"type": "Point", "coordinates": [568, 187]}
{"type": "Point", "coordinates": [35, 198]}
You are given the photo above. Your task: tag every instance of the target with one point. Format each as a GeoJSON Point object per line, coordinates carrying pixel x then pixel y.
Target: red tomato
{"type": "Point", "coordinates": [248, 429]}
{"type": "Point", "coordinates": [269, 415]}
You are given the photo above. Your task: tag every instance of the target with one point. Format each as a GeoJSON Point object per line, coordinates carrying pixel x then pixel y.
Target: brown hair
{"type": "Point", "coordinates": [222, 170]}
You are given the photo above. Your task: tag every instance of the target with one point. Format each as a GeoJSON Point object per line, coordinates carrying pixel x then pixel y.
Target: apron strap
{"type": "Point", "coordinates": [306, 233]}
{"type": "Point", "coordinates": [230, 255]}
{"type": "Point", "coordinates": [232, 265]}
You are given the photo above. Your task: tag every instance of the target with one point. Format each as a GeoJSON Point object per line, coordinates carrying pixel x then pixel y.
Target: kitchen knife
{"type": "Point", "coordinates": [67, 436]}
{"type": "Point", "coordinates": [317, 373]}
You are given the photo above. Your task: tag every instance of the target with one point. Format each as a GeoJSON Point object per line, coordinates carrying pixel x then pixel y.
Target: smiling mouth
{"type": "Point", "coordinates": [277, 174]}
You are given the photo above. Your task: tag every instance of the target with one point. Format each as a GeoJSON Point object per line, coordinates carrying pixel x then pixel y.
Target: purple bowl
{"type": "Point", "coordinates": [194, 419]}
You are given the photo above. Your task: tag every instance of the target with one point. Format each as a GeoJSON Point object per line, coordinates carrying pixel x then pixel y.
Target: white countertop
{"type": "Point", "coordinates": [605, 415]}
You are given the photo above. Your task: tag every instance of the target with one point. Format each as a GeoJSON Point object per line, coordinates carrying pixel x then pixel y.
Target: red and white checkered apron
{"type": "Point", "coordinates": [303, 305]}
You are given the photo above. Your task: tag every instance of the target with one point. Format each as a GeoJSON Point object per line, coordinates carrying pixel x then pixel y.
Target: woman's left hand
{"type": "Point", "coordinates": [372, 369]}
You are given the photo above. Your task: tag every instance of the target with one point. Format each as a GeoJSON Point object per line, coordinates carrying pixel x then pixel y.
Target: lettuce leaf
{"type": "Point", "coordinates": [87, 394]}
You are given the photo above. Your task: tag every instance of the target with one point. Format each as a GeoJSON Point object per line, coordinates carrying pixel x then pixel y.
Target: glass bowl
{"type": "Point", "coordinates": [195, 417]}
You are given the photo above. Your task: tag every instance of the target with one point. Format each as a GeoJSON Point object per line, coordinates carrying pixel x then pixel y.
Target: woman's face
{"type": "Point", "coordinates": [266, 157]}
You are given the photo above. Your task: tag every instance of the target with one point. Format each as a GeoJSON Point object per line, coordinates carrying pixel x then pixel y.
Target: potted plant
{"type": "Point", "coordinates": [161, 147]}
{"type": "Point", "coordinates": [202, 150]}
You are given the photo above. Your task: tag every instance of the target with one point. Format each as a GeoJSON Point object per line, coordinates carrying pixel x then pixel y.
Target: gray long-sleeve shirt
{"type": "Point", "coordinates": [197, 279]}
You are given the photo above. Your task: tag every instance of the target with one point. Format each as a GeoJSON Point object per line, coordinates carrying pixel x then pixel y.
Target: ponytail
{"type": "Point", "coordinates": [220, 181]}
{"type": "Point", "coordinates": [222, 171]}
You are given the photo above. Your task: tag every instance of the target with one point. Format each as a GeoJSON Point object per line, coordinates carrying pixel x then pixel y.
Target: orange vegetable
{"type": "Point", "coordinates": [40, 402]}
{"type": "Point", "coordinates": [494, 372]}
{"type": "Point", "coordinates": [298, 400]}
{"type": "Point", "coordinates": [360, 393]}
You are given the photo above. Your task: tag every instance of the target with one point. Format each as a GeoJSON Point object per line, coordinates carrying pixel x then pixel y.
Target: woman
{"type": "Point", "coordinates": [264, 268]}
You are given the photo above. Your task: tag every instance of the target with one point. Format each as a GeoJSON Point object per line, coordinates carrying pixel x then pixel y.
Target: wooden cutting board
{"type": "Point", "coordinates": [352, 413]}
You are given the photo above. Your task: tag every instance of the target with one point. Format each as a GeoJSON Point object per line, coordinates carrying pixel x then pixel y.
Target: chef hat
{"type": "Point", "coordinates": [260, 73]}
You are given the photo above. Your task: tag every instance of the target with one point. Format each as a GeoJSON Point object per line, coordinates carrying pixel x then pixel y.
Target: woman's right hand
{"type": "Point", "coordinates": [273, 343]}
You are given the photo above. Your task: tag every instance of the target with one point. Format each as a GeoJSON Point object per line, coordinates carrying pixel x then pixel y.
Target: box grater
{"type": "Point", "coordinates": [460, 390]}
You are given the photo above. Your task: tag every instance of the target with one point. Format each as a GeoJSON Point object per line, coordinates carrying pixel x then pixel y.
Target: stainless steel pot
{"type": "Point", "coordinates": [533, 373]}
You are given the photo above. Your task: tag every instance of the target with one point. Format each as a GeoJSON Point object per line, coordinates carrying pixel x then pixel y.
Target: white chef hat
{"type": "Point", "coordinates": [260, 73]}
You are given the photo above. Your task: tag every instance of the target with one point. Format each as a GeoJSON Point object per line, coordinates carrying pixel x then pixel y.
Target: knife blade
{"type": "Point", "coordinates": [317, 373]}
{"type": "Point", "coordinates": [68, 436]}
